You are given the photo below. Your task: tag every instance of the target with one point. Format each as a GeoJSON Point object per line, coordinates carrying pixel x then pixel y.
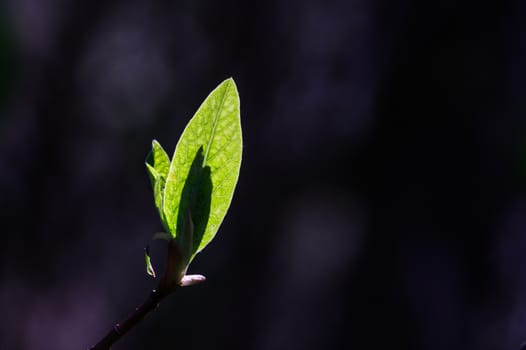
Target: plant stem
{"type": "Point", "coordinates": [120, 329]}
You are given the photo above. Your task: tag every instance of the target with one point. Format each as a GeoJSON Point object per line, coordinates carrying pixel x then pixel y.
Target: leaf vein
{"type": "Point", "coordinates": [218, 113]}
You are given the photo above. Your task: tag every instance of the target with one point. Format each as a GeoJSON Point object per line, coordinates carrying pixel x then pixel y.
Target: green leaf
{"type": "Point", "coordinates": [147, 258]}
{"type": "Point", "coordinates": [161, 161]}
{"type": "Point", "coordinates": [207, 161]}
{"type": "Point", "coordinates": [158, 164]}
{"type": "Point", "coordinates": [148, 261]}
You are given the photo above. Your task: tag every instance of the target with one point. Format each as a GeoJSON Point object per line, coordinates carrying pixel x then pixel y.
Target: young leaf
{"type": "Point", "coordinates": [207, 161]}
{"type": "Point", "coordinates": [148, 261]}
{"type": "Point", "coordinates": [157, 161]}
{"type": "Point", "coordinates": [147, 258]}
{"type": "Point", "coordinates": [158, 164]}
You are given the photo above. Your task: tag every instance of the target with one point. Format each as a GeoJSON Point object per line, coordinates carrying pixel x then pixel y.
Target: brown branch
{"type": "Point", "coordinates": [120, 329]}
{"type": "Point", "coordinates": [168, 284]}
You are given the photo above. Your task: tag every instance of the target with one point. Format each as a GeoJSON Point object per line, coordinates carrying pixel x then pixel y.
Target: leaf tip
{"type": "Point", "coordinates": [229, 81]}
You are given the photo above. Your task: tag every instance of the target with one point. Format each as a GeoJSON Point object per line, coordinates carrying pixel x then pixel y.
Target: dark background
{"type": "Point", "coordinates": [381, 201]}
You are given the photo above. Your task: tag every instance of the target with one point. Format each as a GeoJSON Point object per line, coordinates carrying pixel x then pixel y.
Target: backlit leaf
{"type": "Point", "coordinates": [205, 167]}
{"type": "Point", "coordinates": [158, 164]}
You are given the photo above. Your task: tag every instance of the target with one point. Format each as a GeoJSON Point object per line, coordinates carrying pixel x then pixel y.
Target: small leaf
{"type": "Point", "coordinates": [149, 267]}
{"type": "Point", "coordinates": [157, 160]}
{"type": "Point", "coordinates": [148, 261]}
{"type": "Point", "coordinates": [157, 164]}
{"type": "Point", "coordinates": [207, 161]}
{"type": "Point", "coordinates": [161, 160]}
{"type": "Point", "coordinates": [152, 173]}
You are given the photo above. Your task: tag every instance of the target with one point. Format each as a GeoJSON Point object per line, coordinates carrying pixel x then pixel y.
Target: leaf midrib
{"type": "Point", "coordinates": [216, 118]}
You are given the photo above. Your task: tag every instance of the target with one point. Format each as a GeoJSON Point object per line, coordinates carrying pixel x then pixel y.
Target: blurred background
{"type": "Point", "coordinates": [381, 201]}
